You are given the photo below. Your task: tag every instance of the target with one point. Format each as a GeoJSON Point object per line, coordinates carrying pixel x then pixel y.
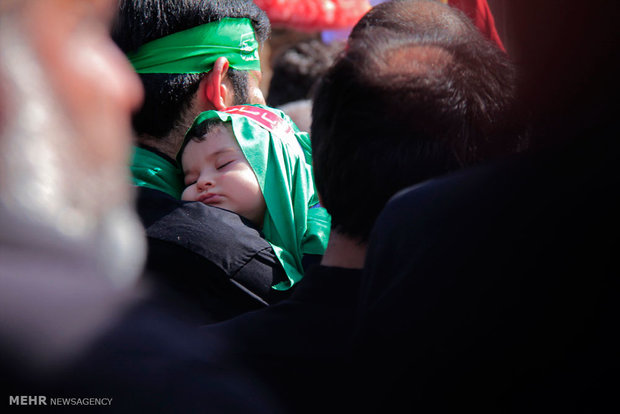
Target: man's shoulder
{"type": "Point", "coordinates": [187, 239]}
{"type": "Point", "coordinates": [165, 217]}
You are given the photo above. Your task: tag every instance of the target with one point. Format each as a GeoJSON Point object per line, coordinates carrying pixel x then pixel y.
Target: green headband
{"type": "Point", "coordinates": [195, 50]}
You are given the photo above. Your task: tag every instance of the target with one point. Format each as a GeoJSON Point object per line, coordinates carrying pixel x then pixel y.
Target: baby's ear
{"type": "Point", "coordinates": [213, 91]}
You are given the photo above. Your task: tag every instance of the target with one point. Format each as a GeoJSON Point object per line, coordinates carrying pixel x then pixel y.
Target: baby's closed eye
{"type": "Point", "coordinates": [224, 164]}
{"type": "Point", "coordinates": [225, 159]}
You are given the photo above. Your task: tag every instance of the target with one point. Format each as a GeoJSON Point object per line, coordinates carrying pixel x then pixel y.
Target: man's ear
{"type": "Point", "coordinates": [213, 92]}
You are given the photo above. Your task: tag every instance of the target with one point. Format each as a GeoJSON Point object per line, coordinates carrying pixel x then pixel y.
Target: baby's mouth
{"type": "Point", "coordinates": [210, 198]}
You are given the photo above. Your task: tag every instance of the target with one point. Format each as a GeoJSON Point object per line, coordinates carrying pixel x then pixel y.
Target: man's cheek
{"type": "Point", "coordinates": [257, 97]}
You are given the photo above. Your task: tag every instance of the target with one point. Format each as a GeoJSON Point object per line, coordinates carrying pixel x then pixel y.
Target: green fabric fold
{"type": "Point", "coordinates": [150, 170]}
{"type": "Point", "coordinates": [280, 155]}
{"type": "Point", "coordinates": [195, 50]}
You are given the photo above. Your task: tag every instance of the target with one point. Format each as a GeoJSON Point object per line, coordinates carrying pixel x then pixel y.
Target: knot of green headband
{"type": "Point", "coordinates": [195, 50]}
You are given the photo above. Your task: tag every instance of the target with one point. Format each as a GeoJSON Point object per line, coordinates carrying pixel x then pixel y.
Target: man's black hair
{"type": "Point", "coordinates": [168, 96]}
{"type": "Point", "coordinates": [405, 105]}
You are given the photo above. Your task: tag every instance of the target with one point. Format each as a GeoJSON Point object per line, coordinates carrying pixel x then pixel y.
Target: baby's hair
{"type": "Point", "coordinates": [198, 133]}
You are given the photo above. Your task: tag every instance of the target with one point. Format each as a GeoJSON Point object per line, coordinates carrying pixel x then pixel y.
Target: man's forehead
{"type": "Point", "coordinates": [99, 4]}
{"type": "Point", "coordinates": [97, 8]}
{"type": "Point", "coordinates": [101, 8]}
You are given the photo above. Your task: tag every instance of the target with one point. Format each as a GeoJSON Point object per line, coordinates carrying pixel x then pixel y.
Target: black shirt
{"type": "Point", "coordinates": [298, 348]}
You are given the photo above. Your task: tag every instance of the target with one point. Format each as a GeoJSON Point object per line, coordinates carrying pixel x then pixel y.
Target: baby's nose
{"type": "Point", "coordinates": [204, 183]}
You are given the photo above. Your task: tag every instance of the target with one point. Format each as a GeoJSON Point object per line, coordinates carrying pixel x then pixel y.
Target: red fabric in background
{"type": "Point", "coordinates": [480, 13]}
{"type": "Point", "coordinates": [314, 15]}
{"type": "Point", "coordinates": [319, 15]}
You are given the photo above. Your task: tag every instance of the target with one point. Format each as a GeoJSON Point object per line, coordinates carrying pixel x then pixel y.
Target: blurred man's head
{"type": "Point", "coordinates": [416, 95]}
{"type": "Point", "coordinates": [66, 97]}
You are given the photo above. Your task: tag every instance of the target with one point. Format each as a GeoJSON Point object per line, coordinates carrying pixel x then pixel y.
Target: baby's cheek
{"type": "Point", "coordinates": [187, 194]}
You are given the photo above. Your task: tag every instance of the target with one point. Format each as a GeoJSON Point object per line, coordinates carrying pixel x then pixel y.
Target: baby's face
{"type": "Point", "coordinates": [217, 174]}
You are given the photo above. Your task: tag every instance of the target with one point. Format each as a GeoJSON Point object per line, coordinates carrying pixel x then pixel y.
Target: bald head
{"type": "Point", "coordinates": [424, 18]}
{"type": "Point", "coordinates": [418, 93]}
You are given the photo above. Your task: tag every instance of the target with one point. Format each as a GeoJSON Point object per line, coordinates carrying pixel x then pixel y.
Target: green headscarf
{"type": "Point", "coordinates": [281, 157]}
{"type": "Point", "coordinates": [153, 171]}
{"type": "Point", "coordinates": [195, 50]}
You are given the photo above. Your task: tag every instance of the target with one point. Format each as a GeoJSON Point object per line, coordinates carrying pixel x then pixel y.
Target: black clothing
{"type": "Point", "coordinates": [296, 348]}
{"type": "Point", "coordinates": [149, 361]}
{"type": "Point", "coordinates": [496, 289]}
{"type": "Point", "coordinates": [219, 263]}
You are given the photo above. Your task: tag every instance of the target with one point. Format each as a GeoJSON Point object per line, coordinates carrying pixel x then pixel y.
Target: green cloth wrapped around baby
{"type": "Point", "coordinates": [253, 160]}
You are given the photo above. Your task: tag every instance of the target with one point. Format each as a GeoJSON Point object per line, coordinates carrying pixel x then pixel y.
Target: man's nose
{"type": "Point", "coordinates": [125, 85]}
